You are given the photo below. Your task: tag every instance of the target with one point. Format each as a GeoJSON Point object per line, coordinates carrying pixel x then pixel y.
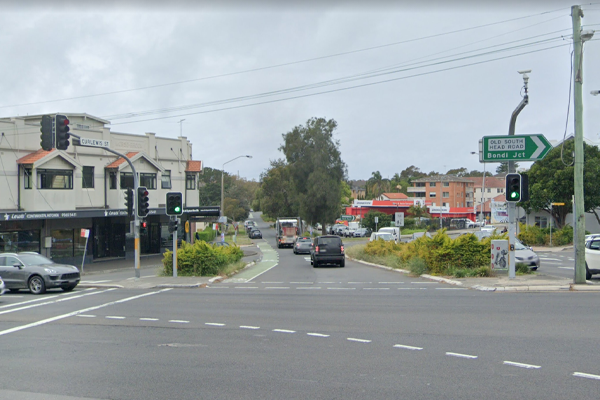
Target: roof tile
{"type": "Point", "coordinates": [120, 160]}
{"type": "Point", "coordinates": [194, 166]}
{"type": "Point", "coordinates": [33, 157]}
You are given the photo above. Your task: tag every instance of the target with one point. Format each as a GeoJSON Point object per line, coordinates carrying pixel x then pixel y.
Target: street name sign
{"type": "Point", "coordinates": [93, 142]}
{"type": "Point", "coordinates": [513, 148]}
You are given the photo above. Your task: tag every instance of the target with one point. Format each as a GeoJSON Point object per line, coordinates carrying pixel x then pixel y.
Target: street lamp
{"type": "Point", "coordinates": [482, 190]}
{"type": "Point", "coordinates": [222, 174]}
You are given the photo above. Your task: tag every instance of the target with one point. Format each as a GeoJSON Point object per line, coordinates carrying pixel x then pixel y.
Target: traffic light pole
{"type": "Point", "coordinates": [174, 250]}
{"type": "Point", "coordinates": [136, 220]}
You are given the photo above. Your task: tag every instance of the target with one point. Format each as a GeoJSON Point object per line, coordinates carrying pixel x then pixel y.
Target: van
{"type": "Point", "coordinates": [395, 231]}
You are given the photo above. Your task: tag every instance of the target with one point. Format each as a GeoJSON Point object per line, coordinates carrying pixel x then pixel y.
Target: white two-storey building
{"type": "Point", "coordinates": [48, 197]}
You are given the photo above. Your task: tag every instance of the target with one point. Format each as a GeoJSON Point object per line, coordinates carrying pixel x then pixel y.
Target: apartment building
{"type": "Point", "coordinates": [50, 196]}
{"type": "Point", "coordinates": [444, 190]}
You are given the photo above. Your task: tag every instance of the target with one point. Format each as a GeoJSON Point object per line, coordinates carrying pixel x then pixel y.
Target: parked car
{"type": "Point", "coordinates": [255, 234]}
{"type": "Point", "coordinates": [394, 231]}
{"type": "Point", "coordinates": [474, 224]}
{"type": "Point", "coordinates": [388, 237]}
{"type": "Point", "coordinates": [327, 249]}
{"type": "Point", "coordinates": [362, 232]}
{"type": "Point", "coordinates": [489, 228]}
{"type": "Point", "coordinates": [526, 255]}
{"type": "Point", "coordinates": [37, 273]}
{"type": "Point", "coordinates": [2, 287]}
{"type": "Point", "coordinates": [224, 244]}
{"type": "Point", "coordinates": [592, 257]}
{"type": "Point", "coordinates": [303, 245]}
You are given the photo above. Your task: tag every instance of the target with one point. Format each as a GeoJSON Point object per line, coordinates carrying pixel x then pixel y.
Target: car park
{"type": "Point", "coordinates": [592, 257]}
{"type": "Point", "coordinates": [303, 245]}
{"type": "Point", "coordinates": [37, 273]}
{"type": "Point", "coordinates": [255, 234]}
{"type": "Point", "coordinates": [327, 249]}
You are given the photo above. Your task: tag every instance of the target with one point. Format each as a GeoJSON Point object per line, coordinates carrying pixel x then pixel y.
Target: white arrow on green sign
{"type": "Point", "coordinates": [514, 148]}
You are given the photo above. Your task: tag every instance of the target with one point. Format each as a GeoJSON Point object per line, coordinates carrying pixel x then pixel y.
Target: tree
{"type": "Point", "coordinates": [418, 211]}
{"type": "Point", "coordinates": [346, 195]}
{"type": "Point", "coordinates": [551, 181]}
{"type": "Point", "coordinates": [503, 168]}
{"type": "Point", "coordinates": [316, 169]}
{"type": "Point", "coordinates": [376, 185]}
{"type": "Point", "coordinates": [457, 172]}
{"type": "Point", "coordinates": [411, 173]}
{"type": "Point", "coordinates": [209, 186]}
{"type": "Point", "coordinates": [233, 209]}
{"type": "Point", "coordinates": [368, 220]}
{"type": "Point", "coordinates": [277, 192]}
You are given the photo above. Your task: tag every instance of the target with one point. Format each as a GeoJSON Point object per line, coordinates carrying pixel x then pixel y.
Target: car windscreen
{"type": "Point", "coordinates": [35, 259]}
{"type": "Point", "coordinates": [385, 236]}
{"type": "Point", "coordinates": [520, 246]}
{"type": "Point", "coordinates": [330, 241]}
{"type": "Point", "coordinates": [305, 239]}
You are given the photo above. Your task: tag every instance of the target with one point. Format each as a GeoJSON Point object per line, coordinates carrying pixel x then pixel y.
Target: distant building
{"type": "Point", "coordinates": [358, 189]}
{"type": "Point", "coordinates": [444, 190]}
{"type": "Point", "coordinates": [392, 196]}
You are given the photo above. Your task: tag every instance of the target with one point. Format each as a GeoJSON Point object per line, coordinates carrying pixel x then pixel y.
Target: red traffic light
{"type": "Point", "coordinates": [64, 121]}
{"type": "Point", "coordinates": [144, 224]}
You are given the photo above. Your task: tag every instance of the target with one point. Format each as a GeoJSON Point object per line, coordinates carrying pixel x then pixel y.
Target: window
{"type": "Point", "coordinates": [55, 179]}
{"type": "Point", "coordinates": [27, 181]}
{"type": "Point", "coordinates": [542, 222]}
{"type": "Point", "coordinates": [432, 194]}
{"type": "Point", "coordinates": [431, 184]}
{"type": "Point", "coordinates": [127, 180]}
{"type": "Point", "coordinates": [190, 181]}
{"type": "Point", "coordinates": [446, 194]}
{"type": "Point", "coordinates": [148, 180]}
{"type": "Point", "coordinates": [165, 180]}
{"type": "Point", "coordinates": [87, 181]}
{"type": "Point", "coordinates": [446, 184]}
{"type": "Point", "coordinates": [419, 184]}
{"type": "Point", "coordinates": [489, 190]}
{"type": "Point", "coordinates": [112, 179]}
{"type": "Point", "coordinates": [500, 190]}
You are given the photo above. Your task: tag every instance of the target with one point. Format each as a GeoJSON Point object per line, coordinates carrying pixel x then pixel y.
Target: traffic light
{"type": "Point", "coordinates": [62, 132]}
{"type": "Point", "coordinates": [513, 188]}
{"type": "Point", "coordinates": [142, 201]}
{"type": "Point", "coordinates": [129, 195]}
{"type": "Point", "coordinates": [174, 203]}
{"type": "Point", "coordinates": [47, 135]}
{"type": "Point", "coordinates": [173, 225]}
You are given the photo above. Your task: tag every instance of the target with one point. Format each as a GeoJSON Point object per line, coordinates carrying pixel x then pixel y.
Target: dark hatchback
{"type": "Point", "coordinates": [255, 234]}
{"type": "Point", "coordinates": [327, 250]}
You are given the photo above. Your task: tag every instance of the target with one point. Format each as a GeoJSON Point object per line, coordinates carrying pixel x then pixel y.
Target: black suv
{"type": "Point", "coordinates": [327, 250]}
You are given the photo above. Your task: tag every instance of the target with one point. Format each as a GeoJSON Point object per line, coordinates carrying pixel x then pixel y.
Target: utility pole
{"type": "Point", "coordinates": [578, 216]}
{"type": "Point", "coordinates": [512, 207]}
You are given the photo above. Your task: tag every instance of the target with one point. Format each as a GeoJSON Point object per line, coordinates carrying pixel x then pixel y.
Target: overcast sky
{"type": "Point", "coordinates": [434, 94]}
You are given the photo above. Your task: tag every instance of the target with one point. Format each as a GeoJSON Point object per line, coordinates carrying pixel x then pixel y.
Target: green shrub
{"type": "Point", "coordinates": [532, 235]}
{"type": "Point", "coordinates": [207, 235]}
{"type": "Point", "coordinates": [522, 269]}
{"type": "Point", "coordinates": [562, 236]}
{"type": "Point", "coordinates": [201, 259]}
{"type": "Point", "coordinates": [417, 266]}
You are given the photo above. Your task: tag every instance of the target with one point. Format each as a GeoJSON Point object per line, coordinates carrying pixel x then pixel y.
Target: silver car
{"type": "Point", "coordinates": [37, 273]}
{"type": "Point", "coordinates": [2, 287]}
{"type": "Point", "coordinates": [303, 245]}
{"type": "Point", "coordinates": [525, 255]}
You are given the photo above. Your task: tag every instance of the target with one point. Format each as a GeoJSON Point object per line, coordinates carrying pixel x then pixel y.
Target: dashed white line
{"type": "Point", "coordinates": [277, 287]}
{"type": "Point", "coordinates": [376, 288]}
{"type": "Point", "coordinates": [246, 287]}
{"type": "Point", "coordinates": [403, 346]}
{"type": "Point", "coordinates": [358, 283]}
{"type": "Point", "coordinates": [358, 340]}
{"type": "Point", "coordinates": [389, 283]}
{"type": "Point", "coordinates": [148, 319]}
{"type": "Point", "coordinates": [114, 317]}
{"type": "Point", "coordinates": [249, 327]}
{"type": "Point", "coordinates": [86, 316]}
{"type": "Point", "coordinates": [309, 287]}
{"type": "Point", "coordinates": [272, 283]}
{"type": "Point", "coordinates": [550, 259]}
{"type": "Point", "coordinates": [214, 324]}
{"type": "Point", "coordinates": [283, 331]}
{"type": "Point", "coordinates": [317, 334]}
{"type": "Point", "coordinates": [570, 268]}
{"type": "Point", "coordinates": [450, 288]}
{"type": "Point", "coordinates": [520, 365]}
{"type": "Point", "coordinates": [302, 283]}
{"type": "Point", "coordinates": [179, 321]}
{"type": "Point", "coordinates": [423, 283]}
{"type": "Point", "coordinates": [584, 375]}
{"type": "Point", "coordinates": [461, 355]}
{"type": "Point", "coordinates": [341, 288]}
{"type": "Point", "coordinates": [328, 283]}
{"type": "Point", "coordinates": [412, 288]}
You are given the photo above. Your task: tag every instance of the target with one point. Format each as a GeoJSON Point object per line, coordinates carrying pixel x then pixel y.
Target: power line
{"type": "Point", "coordinates": [286, 64]}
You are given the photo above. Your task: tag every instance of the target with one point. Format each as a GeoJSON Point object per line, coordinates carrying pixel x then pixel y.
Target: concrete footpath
{"type": "Point", "coordinates": [537, 282]}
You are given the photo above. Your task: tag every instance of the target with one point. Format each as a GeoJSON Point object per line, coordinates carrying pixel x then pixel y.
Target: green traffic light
{"type": "Point", "coordinates": [177, 209]}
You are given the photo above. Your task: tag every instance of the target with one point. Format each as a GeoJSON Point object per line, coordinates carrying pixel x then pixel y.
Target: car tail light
{"type": "Point", "coordinates": [342, 248]}
{"type": "Point", "coordinates": [317, 249]}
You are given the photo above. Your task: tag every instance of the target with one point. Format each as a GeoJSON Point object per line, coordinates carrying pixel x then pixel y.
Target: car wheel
{"type": "Point", "coordinates": [343, 264]}
{"type": "Point", "coordinates": [69, 288]}
{"type": "Point", "coordinates": [315, 264]}
{"type": "Point", "coordinates": [36, 284]}
{"type": "Point", "coordinates": [588, 274]}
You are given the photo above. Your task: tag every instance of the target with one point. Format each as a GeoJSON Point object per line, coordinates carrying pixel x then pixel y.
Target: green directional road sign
{"type": "Point", "coordinates": [513, 148]}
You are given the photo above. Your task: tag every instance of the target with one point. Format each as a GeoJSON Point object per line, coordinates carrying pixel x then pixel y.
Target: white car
{"type": "Point", "coordinates": [592, 257]}
{"type": "Point", "coordinates": [474, 224]}
{"type": "Point", "coordinates": [388, 237]}
{"type": "Point", "coordinates": [489, 228]}
{"type": "Point", "coordinates": [2, 287]}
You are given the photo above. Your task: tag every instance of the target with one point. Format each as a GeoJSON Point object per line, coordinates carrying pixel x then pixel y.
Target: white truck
{"type": "Point", "coordinates": [394, 231]}
{"type": "Point", "coordinates": [287, 230]}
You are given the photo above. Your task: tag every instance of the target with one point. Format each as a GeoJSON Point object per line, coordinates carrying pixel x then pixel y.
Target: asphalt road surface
{"type": "Point", "coordinates": [298, 332]}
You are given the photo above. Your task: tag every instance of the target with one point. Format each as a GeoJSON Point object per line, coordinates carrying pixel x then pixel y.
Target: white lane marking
{"type": "Point", "coordinates": [389, 283]}
{"type": "Point", "coordinates": [78, 312]}
{"type": "Point", "coordinates": [358, 340]}
{"type": "Point", "coordinates": [584, 375]}
{"type": "Point", "coordinates": [309, 287]}
{"type": "Point", "coordinates": [218, 287]}
{"type": "Point", "coordinates": [272, 283]}
{"type": "Point", "coordinates": [86, 316]}
{"type": "Point", "coordinates": [277, 287]}
{"type": "Point", "coordinates": [402, 346]}
{"type": "Point", "coordinates": [179, 321]}
{"type": "Point", "coordinates": [520, 365]}
{"type": "Point", "coordinates": [104, 281]}
{"type": "Point", "coordinates": [328, 282]}
{"type": "Point", "coordinates": [317, 334]}
{"type": "Point", "coordinates": [412, 288]}
{"type": "Point", "coordinates": [570, 268]}
{"type": "Point", "coordinates": [302, 283]}
{"type": "Point", "coordinates": [550, 259]}
{"type": "Point", "coordinates": [114, 317]}
{"type": "Point", "coordinates": [358, 283]}
{"type": "Point", "coordinates": [450, 288]}
{"type": "Point", "coordinates": [376, 288]}
{"type": "Point", "coordinates": [55, 301]}
{"type": "Point", "coordinates": [283, 331]}
{"type": "Point", "coordinates": [341, 288]}
{"type": "Point", "coordinates": [214, 324]}
{"type": "Point", "coordinates": [28, 301]}
{"type": "Point", "coordinates": [246, 287]}
{"type": "Point", "coordinates": [423, 283]}
{"type": "Point", "coordinates": [148, 319]}
{"type": "Point", "coordinates": [249, 327]}
{"type": "Point", "coordinates": [461, 355]}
